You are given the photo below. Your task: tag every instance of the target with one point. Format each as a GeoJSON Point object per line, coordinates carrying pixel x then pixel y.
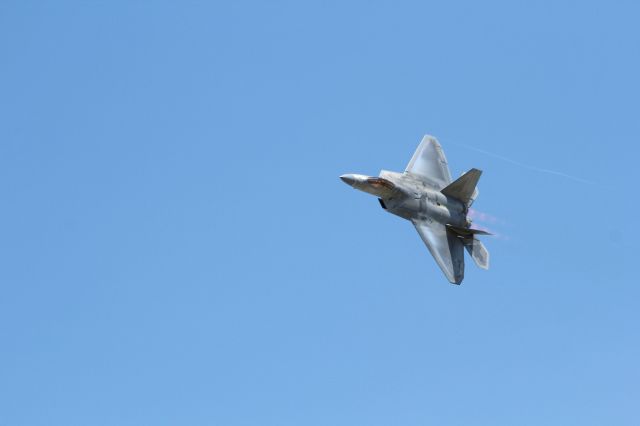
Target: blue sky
{"type": "Point", "coordinates": [177, 247]}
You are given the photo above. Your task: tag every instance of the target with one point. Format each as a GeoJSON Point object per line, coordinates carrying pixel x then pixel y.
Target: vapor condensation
{"type": "Point", "coordinates": [529, 167]}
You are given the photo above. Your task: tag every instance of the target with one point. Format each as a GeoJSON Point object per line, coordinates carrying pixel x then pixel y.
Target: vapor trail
{"type": "Point", "coordinates": [527, 166]}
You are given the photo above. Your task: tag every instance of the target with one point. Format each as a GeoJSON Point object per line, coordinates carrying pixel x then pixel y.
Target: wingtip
{"type": "Point", "coordinates": [430, 138]}
{"type": "Point", "coordinates": [456, 280]}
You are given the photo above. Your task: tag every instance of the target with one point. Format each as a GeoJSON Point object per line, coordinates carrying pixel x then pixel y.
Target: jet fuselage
{"type": "Point", "coordinates": [410, 198]}
{"type": "Point", "coordinates": [435, 204]}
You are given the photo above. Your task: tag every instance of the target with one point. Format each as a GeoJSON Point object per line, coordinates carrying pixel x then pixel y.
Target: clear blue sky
{"type": "Point", "coordinates": [177, 248]}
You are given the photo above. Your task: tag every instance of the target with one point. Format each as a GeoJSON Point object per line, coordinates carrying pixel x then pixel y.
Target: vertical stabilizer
{"type": "Point", "coordinates": [478, 252]}
{"type": "Point", "coordinates": [464, 187]}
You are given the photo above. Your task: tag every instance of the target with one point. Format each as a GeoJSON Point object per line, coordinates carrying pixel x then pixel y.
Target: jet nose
{"type": "Point", "coordinates": [348, 179]}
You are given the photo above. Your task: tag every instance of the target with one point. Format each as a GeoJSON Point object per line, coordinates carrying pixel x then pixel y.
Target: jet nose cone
{"type": "Point", "coordinates": [348, 179]}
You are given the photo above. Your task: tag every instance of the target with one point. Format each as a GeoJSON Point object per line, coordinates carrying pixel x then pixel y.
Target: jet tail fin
{"type": "Point", "coordinates": [478, 252]}
{"type": "Point", "coordinates": [464, 187]}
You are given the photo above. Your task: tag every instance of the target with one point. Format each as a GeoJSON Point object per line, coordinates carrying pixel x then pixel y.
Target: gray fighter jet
{"type": "Point", "coordinates": [437, 207]}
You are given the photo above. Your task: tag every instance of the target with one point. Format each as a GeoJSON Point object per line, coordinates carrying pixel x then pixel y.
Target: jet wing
{"type": "Point", "coordinates": [429, 162]}
{"type": "Point", "coordinates": [445, 247]}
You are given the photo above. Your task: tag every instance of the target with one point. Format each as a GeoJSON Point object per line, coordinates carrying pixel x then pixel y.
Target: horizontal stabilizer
{"type": "Point", "coordinates": [466, 232]}
{"type": "Point", "coordinates": [478, 252]}
{"type": "Point", "coordinates": [463, 188]}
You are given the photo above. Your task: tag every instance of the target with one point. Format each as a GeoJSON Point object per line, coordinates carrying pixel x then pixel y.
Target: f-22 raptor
{"type": "Point", "coordinates": [425, 195]}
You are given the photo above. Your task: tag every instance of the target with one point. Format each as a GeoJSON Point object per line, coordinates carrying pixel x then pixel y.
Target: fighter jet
{"type": "Point", "coordinates": [425, 195]}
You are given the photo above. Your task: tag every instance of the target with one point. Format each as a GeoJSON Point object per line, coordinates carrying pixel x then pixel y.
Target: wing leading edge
{"type": "Point", "coordinates": [445, 247]}
{"type": "Point", "coordinates": [430, 162]}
